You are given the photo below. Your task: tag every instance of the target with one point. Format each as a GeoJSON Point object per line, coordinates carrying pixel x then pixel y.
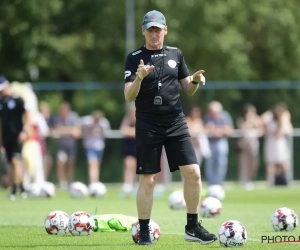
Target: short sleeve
{"type": "Point", "coordinates": [183, 71]}
{"type": "Point", "coordinates": [130, 69]}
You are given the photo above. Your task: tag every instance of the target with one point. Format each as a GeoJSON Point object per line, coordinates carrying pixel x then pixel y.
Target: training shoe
{"type": "Point", "coordinates": [12, 197]}
{"type": "Point", "coordinates": [145, 239]}
{"type": "Point", "coordinates": [24, 195]}
{"type": "Point", "coordinates": [199, 234]}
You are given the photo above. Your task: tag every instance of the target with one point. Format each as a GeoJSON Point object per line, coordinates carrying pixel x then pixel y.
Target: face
{"type": "Point", "coordinates": [6, 89]}
{"type": "Point", "coordinates": [154, 37]}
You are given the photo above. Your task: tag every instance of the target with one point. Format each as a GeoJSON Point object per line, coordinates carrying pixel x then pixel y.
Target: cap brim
{"type": "Point", "coordinates": [153, 24]}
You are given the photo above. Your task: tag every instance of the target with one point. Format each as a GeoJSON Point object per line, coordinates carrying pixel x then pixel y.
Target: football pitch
{"type": "Point", "coordinates": [21, 221]}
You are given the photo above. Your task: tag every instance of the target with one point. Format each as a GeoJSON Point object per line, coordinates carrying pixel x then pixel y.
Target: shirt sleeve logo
{"type": "Point", "coordinates": [127, 73]}
{"type": "Point", "coordinates": [172, 64]}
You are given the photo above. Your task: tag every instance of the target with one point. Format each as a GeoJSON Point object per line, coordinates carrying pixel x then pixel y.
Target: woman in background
{"type": "Point", "coordinates": [251, 128]}
{"type": "Point", "coordinates": [277, 152]}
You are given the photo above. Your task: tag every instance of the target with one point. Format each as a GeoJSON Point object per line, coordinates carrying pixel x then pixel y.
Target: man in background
{"type": "Point", "coordinates": [218, 125]}
{"type": "Point", "coordinates": [94, 128]}
{"type": "Point", "coordinates": [13, 133]}
{"type": "Point", "coordinates": [67, 130]}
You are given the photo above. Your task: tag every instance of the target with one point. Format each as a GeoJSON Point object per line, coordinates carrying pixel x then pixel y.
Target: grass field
{"type": "Point", "coordinates": [21, 221]}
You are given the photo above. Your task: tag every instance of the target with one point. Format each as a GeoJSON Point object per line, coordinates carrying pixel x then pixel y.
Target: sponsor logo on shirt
{"type": "Point", "coordinates": [137, 52]}
{"type": "Point", "coordinates": [127, 73]}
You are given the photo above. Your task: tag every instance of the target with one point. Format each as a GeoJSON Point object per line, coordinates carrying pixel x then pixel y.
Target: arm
{"type": "Point", "coordinates": [187, 83]}
{"type": "Point", "coordinates": [126, 129]}
{"type": "Point", "coordinates": [132, 88]}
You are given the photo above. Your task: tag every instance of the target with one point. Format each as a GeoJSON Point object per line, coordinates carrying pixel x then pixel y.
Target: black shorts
{"type": "Point", "coordinates": [12, 149]}
{"type": "Point", "coordinates": [177, 142]}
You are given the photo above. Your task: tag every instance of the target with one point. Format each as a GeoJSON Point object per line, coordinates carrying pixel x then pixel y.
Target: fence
{"type": "Point", "coordinates": [108, 96]}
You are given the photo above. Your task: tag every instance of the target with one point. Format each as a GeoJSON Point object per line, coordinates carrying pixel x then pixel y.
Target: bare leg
{"type": "Point", "coordinates": [94, 170]}
{"type": "Point", "coordinates": [192, 187]}
{"type": "Point", "coordinates": [61, 172]}
{"type": "Point", "coordinates": [271, 168]}
{"type": "Point", "coordinates": [70, 170]}
{"type": "Point", "coordinates": [17, 171]}
{"type": "Point", "coordinates": [144, 197]}
{"type": "Point", "coordinates": [129, 173]}
{"type": "Point", "coordinates": [49, 163]}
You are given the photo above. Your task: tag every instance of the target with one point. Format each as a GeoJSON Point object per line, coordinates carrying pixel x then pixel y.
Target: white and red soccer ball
{"type": "Point", "coordinates": [154, 231]}
{"type": "Point", "coordinates": [81, 224]}
{"type": "Point", "coordinates": [97, 189]}
{"type": "Point", "coordinates": [216, 191]}
{"type": "Point", "coordinates": [56, 223]}
{"type": "Point", "coordinates": [232, 233]}
{"type": "Point", "coordinates": [210, 207]}
{"type": "Point", "coordinates": [176, 200]}
{"type": "Point", "coordinates": [78, 190]}
{"type": "Point", "coordinates": [284, 219]}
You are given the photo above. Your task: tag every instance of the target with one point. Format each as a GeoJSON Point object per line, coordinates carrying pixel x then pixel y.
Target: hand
{"type": "Point", "coordinates": [23, 136]}
{"type": "Point", "coordinates": [198, 77]}
{"type": "Point", "coordinates": [143, 70]}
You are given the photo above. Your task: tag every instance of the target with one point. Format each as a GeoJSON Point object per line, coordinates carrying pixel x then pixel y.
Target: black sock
{"type": "Point", "coordinates": [144, 225]}
{"type": "Point", "coordinates": [192, 220]}
{"type": "Point", "coordinates": [14, 189]}
{"type": "Point", "coordinates": [21, 188]}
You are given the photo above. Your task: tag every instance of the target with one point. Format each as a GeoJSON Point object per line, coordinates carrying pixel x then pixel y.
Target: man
{"type": "Point", "coordinates": [152, 73]}
{"type": "Point", "coordinates": [94, 129]}
{"type": "Point", "coordinates": [218, 125]}
{"type": "Point", "coordinates": [13, 133]}
{"type": "Point", "coordinates": [67, 129]}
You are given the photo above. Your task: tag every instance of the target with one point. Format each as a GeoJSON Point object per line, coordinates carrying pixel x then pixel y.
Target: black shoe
{"type": "Point", "coordinates": [199, 234]}
{"type": "Point", "coordinates": [145, 239]}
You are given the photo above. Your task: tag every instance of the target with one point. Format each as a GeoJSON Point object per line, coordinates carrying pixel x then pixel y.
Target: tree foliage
{"type": "Point", "coordinates": [80, 41]}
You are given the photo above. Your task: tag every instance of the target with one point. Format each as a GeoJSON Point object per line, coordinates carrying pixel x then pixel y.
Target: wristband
{"type": "Point", "coordinates": [193, 82]}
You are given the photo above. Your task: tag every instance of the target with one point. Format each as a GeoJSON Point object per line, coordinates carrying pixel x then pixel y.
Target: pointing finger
{"type": "Point", "coordinates": [200, 71]}
{"type": "Point", "coordinates": [141, 62]}
{"type": "Point", "coordinates": [150, 68]}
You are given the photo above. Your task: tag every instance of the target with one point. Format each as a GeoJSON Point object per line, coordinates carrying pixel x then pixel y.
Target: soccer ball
{"type": "Point", "coordinates": [210, 207]}
{"type": "Point", "coordinates": [154, 231]}
{"type": "Point", "coordinates": [216, 191]}
{"type": "Point", "coordinates": [232, 234]}
{"type": "Point", "coordinates": [176, 200]}
{"type": "Point", "coordinates": [284, 219]}
{"type": "Point", "coordinates": [97, 189]}
{"type": "Point", "coordinates": [47, 189]}
{"type": "Point", "coordinates": [78, 190]}
{"type": "Point", "coordinates": [34, 190]}
{"type": "Point", "coordinates": [56, 223]}
{"type": "Point", "coordinates": [81, 224]}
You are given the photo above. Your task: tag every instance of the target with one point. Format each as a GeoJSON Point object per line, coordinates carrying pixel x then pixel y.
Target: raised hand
{"type": "Point", "coordinates": [143, 70]}
{"type": "Point", "coordinates": [199, 77]}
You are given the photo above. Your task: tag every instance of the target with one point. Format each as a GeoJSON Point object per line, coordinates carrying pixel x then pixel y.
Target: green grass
{"type": "Point", "coordinates": [21, 221]}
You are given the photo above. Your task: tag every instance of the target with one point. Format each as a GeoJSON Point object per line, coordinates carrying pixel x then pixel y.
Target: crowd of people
{"type": "Point", "coordinates": [209, 132]}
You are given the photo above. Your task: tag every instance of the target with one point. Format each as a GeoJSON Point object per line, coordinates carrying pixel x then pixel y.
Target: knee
{"type": "Point", "coordinates": [148, 181]}
{"type": "Point", "coordinates": [191, 173]}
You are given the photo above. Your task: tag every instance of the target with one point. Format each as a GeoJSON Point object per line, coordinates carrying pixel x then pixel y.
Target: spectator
{"type": "Point", "coordinates": [5, 172]}
{"type": "Point", "coordinates": [277, 152]}
{"type": "Point", "coordinates": [67, 129]}
{"type": "Point", "coordinates": [218, 124]}
{"type": "Point", "coordinates": [46, 112]}
{"type": "Point", "coordinates": [94, 128]}
{"type": "Point", "coordinates": [129, 150]}
{"type": "Point", "coordinates": [13, 133]}
{"type": "Point", "coordinates": [197, 132]}
{"type": "Point", "coordinates": [251, 127]}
